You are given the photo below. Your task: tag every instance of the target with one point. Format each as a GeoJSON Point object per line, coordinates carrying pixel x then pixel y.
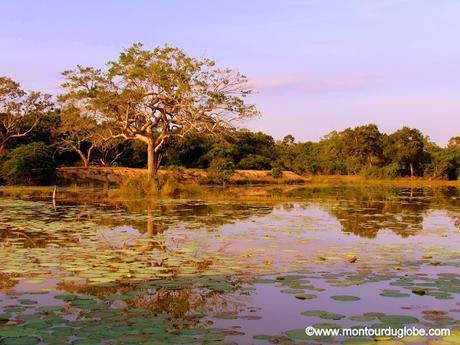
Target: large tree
{"type": "Point", "coordinates": [406, 146]}
{"type": "Point", "coordinates": [20, 111]}
{"type": "Point", "coordinates": [363, 142]}
{"type": "Point", "coordinates": [153, 95]}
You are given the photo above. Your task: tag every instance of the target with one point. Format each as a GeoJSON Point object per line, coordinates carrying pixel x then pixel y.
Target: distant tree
{"type": "Point", "coordinates": [187, 150]}
{"type": "Point", "coordinates": [20, 111]}
{"type": "Point", "coordinates": [289, 140]}
{"type": "Point", "coordinates": [153, 95]}
{"type": "Point", "coordinates": [406, 146]}
{"type": "Point", "coordinates": [331, 158]}
{"type": "Point", "coordinates": [80, 134]}
{"type": "Point", "coordinates": [454, 142]}
{"type": "Point", "coordinates": [109, 151]}
{"type": "Point", "coordinates": [245, 143]}
{"type": "Point", "coordinates": [363, 142]}
{"type": "Point", "coordinates": [133, 154]}
{"type": "Point", "coordinates": [445, 163]}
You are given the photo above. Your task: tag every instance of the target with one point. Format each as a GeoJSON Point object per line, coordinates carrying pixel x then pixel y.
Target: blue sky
{"type": "Point", "coordinates": [316, 65]}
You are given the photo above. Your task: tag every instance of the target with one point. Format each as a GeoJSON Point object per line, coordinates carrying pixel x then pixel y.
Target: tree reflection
{"type": "Point", "coordinates": [364, 214]}
{"type": "Point", "coordinates": [185, 301]}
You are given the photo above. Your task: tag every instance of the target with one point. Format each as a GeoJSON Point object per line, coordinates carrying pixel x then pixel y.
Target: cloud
{"type": "Point", "coordinates": [357, 80]}
{"type": "Point", "coordinates": [315, 82]}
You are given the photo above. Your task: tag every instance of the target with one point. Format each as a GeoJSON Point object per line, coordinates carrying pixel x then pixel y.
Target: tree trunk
{"type": "Point", "coordinates": [411, 169]}
{"type": "Point", "coordinates": [152, 159]}
{"type": "Point", "coordinates": [83, 158]}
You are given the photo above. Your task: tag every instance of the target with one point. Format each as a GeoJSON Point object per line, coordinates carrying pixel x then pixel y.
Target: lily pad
{"type": "Point", "coordinates": [331, 316]}
{"type": "Point", "coordinates": [298, 333]}
{"type": "Point", "coordinates": [314, 313]}
{"type": "Point", "coordinates": [398, 319]}
{"type": "Point", "coordinates": [394, 294]}
{"type": "Point", "coordinates": [27, 340]}
{"type": "Point", "coordinates": [263, 337]}
{"type": "Point", "coordinates": [363, 318]}
{"type": "Point", "coordinates": [305, 296]}
{"type": "Point", "coordinates": [345, 298]}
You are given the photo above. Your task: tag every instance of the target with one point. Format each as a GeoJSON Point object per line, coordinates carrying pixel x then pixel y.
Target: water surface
{"type": "Point", "coordinates": [224, 272]}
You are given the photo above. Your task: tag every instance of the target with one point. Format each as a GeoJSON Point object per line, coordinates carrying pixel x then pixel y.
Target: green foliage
{"type": "Point", "coordinates": [393, 170]}
{"type": "Point", "coordinates": [220, 170]}
{"type": "Point", "coordinates": [29, 164]}
{"type": "Point", "coordinates": [406, 147]}
{"type": "Point", "coordinates": [276, 173]}
{"type": "Point", "coordinates": [133, 154]}
{"type": "Point", "coordinates": [372, 171]}
{"type": "Point", "coordinates": [152, 95]}
{"type": "Point", "coordinates": [445, 164]}
{"type": "Point", "coordinates": [255, 162]}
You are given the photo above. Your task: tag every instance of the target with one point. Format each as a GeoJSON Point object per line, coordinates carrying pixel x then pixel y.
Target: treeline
{"type": "Point", "coordinates": [36, 135]}
{"type": "Point", "coordinates": [362, 150]}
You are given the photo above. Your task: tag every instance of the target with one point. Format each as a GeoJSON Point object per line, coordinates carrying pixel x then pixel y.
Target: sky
{"type": "Point", "coordinates": [315, 65]}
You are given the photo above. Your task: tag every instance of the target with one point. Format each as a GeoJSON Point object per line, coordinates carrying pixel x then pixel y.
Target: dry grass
{"type": "Point", "coordinates": [247, 185]}
{"type": "Point", "coordinates": [330, 180]}
{"type": "Point", "coordinates": [187, 176]}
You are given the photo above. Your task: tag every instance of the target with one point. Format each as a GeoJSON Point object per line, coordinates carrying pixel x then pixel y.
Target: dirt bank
{"type": "Point", "coordinates": [117, 175]}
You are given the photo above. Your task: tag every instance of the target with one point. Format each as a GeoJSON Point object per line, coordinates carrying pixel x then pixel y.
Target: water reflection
{"type": "Point", "coordinates": [361, 211]}
{"type": "Point", "coordinates": [366, 214]}
{"type": "Point", "coordinates": [162, 270]}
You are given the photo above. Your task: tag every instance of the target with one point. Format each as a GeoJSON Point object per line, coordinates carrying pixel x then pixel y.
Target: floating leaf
{"type": "Point", "coordinates": [345, 298]}
{"type": "Point", "coordinates": [398, 319]}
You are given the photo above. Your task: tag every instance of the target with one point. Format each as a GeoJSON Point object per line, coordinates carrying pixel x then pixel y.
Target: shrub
{"type": "Point", "coordinates": [220, 170]}
{"type": "Point", "coordinates": [276, 173]}
{"type": "Point", "coordinates": [139, 186]}
{"type": "Point", "coordinates": [393, 170]}
{"type": "Point", "coordinates": [29, 164]}
{"type": "Point", "coordinates": [3, 159]}
{"type": "Point", "coordinates": [372, 171]}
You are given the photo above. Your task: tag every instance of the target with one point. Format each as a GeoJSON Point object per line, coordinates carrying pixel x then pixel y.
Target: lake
{"type": "Point", "coordinates": [238, 271]}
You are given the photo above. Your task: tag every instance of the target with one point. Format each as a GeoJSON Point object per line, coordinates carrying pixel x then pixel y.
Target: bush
{"type": "Point", "coordinates": [220, 170]}
{"type": "Point", "coordinates": [29, 164]}
{"type": "Point", "coordinates": [372, 171]}
{"type": "Point", "coordinates": [276, 173]}
{"type": "Point", "coordinates": [3, 159]}
{"type": "Point", "coordinates": [139, 186]}
{"type": "Point", "coordinates": [393, 170]}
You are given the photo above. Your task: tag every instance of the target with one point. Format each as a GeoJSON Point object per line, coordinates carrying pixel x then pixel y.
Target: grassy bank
{"type": "Point", "coordinates": [173, 187]}
{"type": "Point", "coordinates": [72, 193]}
{"type": "Point", "coordinates": [329, 180]}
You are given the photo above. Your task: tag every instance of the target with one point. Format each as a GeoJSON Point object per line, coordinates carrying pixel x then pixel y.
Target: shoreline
{"type": "Point", "coordinates": [99, 192]}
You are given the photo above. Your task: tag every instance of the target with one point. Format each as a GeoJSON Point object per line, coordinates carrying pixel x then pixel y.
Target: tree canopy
{"type": "Point", "coordinates": [20, 111]}
{"type": "Point", "coordinates": [153, 95]}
